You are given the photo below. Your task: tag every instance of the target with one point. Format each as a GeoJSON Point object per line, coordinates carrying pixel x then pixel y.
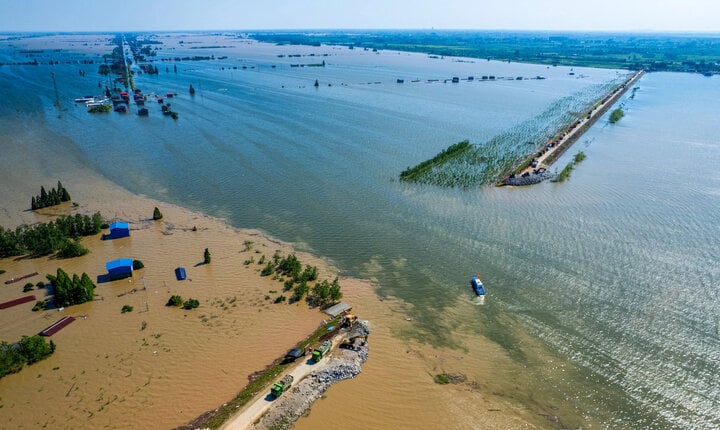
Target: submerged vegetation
{"type": "Point", "coordinates": [175, 301]}
{"type": "Point", "coordinates": [191, 304]}
{"type": "Point", "coordinates": [416, 174]}
{"type": "Point", "coordinates": [101, 108]}
{"type": "Point", "coordinates": [565, 172]}
{"type": "Point", "coordinates": [29, 350]}
{"type": "Point", "coordinates": [441, 379]}
{"type": "Point", "coordinates": [616, 115]}
{"type": "Point", "coordinates": [46, 238]}
{"type": "Point", "coordinates": [289, 270]}
{"type": "Point", "coordinates": [71, 291]}
{"type": "Point", "coordinates": [465, 164]}
{"type": "Point", "coordinates": [52, 198]}
{"type": "Point", "coordinates": [72, 248]}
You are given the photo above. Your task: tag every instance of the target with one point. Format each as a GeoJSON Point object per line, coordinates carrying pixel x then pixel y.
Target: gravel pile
{"type": "Point", "coordinates": [528, 180]}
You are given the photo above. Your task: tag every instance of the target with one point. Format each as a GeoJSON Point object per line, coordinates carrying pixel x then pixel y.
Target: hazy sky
{"type": "Point", "coordinates": [599, 15]}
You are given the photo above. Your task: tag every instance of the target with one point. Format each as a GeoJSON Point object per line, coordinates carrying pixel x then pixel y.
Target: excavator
{"type": "Point", "coordinates": [348, 320]}
{"type": "Point", "coordinates": [359, 333]}
{"type": "Point", "coordinates": [350, 341]}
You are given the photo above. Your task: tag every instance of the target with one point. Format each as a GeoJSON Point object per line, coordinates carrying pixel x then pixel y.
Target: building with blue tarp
{"type": "Point", "coordinates": [119, 229]}
{"type": "Point", "coordinates": [120, 268]}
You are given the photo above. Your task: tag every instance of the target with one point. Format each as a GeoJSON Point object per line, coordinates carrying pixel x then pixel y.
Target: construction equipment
{"type": "Point", "coordinates": [348, 320]}
{"type": "Point", "coordinates": [359, 332]}
{"type": "Point", "coordinates": [349, 342]}
{"type": "Point", "coordinates": [321, 350]}
{"type": "Point", "coordinates": [282, 385]}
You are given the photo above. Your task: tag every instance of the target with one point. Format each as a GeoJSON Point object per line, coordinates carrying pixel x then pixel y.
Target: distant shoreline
{"type": "Point", "coordinates": [608, 50]}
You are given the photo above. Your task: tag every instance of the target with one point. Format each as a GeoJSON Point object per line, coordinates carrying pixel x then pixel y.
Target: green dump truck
{"type": "Point", "coordinates": [321, 351]}
{"type": "Point", "coordinates": [282, 385]}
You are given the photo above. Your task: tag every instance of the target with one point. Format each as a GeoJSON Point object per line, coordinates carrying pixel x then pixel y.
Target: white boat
{"type": "Point", "coordinates": [86, 99]}
{"type": "Point", "coordinates": [93, 102]}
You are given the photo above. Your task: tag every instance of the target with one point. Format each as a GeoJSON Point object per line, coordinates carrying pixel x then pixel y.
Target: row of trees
{"type": "Point", "coordinates": [54, 197]}
{"type": "Point", "coordinates": [325, 293]}
{"type": "Point", "coordinates": [46, 238]}
{"type": "Point", "coordinates": [71, 291]}
{"type": "Point", "coordinates": [298, 280]}
{"type": "Point", "coordinates": [30, 349]}
{"type": "Point", "coordinates": [289, 267]}
{"type": "Point", "coordinates": [411, 174]}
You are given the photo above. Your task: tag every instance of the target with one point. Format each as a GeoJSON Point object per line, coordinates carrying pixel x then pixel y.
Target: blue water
{"type": "Point", "coordinates": [615, 269]}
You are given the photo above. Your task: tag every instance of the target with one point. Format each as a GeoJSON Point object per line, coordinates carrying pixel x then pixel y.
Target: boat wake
{"type": "Point", "coordinates": [478, 301]}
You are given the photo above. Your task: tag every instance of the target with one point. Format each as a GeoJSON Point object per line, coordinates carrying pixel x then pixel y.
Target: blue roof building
{"type": "Point", "coordinates": [119, 229]}
{"type": "Point", "coordinates": [120, 268]}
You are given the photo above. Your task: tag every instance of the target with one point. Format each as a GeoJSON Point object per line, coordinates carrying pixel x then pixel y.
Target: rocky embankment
{"type": "Point", "coordinates": [345, 363]}
{"type": "Point", "coordinates": [528, 178]}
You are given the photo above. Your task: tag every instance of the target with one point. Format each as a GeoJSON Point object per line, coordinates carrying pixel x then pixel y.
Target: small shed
{"type": "Point", "coordinates": [119, 229]}
{"type": "Point", "coordinates": [180, 273]}
{"type": "Point", "coordinates": [120, 268]}
{"type": "Point", "coordinates": [336, 310]}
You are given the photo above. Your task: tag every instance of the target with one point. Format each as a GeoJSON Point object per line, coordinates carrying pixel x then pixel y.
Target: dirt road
{"type": "Point", "coordinates": [264, 401]}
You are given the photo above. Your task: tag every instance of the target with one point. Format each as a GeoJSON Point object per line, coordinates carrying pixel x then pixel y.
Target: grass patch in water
{"type": "Point", "coordinates": [466, 165]}
{"type": "Point", "coordinates": [442, 379]}
{"type": "Point", "coordinates": [565, 172]}
{"type": "Point", "coordinates": [414, 174]}
{"type": "Point", "coordinates": [616, 115]}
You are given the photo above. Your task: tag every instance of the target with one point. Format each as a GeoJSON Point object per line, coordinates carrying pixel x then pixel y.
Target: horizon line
{"type": "Point", "coordinates": [431, 29]}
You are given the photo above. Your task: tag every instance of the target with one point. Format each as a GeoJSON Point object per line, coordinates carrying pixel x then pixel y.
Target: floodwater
{"type": "Point", "coordinates": [603, 290]}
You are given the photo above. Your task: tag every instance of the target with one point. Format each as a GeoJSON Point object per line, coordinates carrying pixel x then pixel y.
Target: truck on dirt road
{"type": "Point", "coordinates": [281, 386]}
{"type": "Point", "coordinates": [321, 350]}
